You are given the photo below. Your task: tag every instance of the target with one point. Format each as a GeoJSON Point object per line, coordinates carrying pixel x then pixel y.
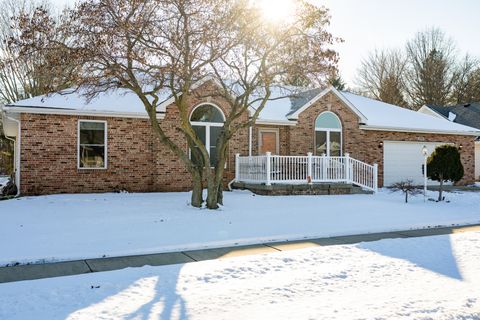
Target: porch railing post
{"type": "Point", "coordinates": [309, 167]}
{"type": "Point", "coordinates": [347, 167]}
{"type": "Point", "coordinates": [237, 167]}
{"type": "Point", "coordinates": [375, 177]}
{"type": "Point", "coordinates": [324, 167]}
{"type": "Point", "coordinates": [269, 157]}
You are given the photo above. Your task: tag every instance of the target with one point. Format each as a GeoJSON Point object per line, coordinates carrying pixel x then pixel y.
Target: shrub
{"type": "Point", "coordinates": [444, 165]}
{"type": "Point", "coordinates": [407, 187]}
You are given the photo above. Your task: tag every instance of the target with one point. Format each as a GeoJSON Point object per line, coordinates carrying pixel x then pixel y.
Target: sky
{"type": "Point", "coordinates": [367, 25]}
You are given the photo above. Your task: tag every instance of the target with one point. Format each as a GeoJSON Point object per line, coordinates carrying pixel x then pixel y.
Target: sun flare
{"type": "Point", "coordinates": [277, 10]}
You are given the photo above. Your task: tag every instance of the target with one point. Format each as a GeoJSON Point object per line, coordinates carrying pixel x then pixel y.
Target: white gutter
{"type": "Point", "coordinates": [276, 122]}
{"type": "Point", "coordinates": [73, 112]}
{"type": "Point", "coordinates": [17, 144]}
{"type": "Point", "coordinates": [454, 132]}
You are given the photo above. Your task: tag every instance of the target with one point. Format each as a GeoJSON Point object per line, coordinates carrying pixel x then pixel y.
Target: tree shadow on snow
{"type": "Point", "coordinates": [431, 253]}
{"type": "Point", "coordinates": [165, 303]}
{"type": "Point", "coordinates": [166, 292]}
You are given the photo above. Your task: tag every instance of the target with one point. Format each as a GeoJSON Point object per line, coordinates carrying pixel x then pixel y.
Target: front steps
{"type": "Point", "coordinates": [301, 189]}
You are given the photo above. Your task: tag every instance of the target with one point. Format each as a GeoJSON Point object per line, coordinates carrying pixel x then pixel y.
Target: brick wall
{"type": "Point", "coordinates": [137, 162]}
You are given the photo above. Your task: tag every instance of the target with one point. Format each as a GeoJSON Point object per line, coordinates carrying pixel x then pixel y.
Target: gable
{"type": "Point", "coordinates": [323, 93]}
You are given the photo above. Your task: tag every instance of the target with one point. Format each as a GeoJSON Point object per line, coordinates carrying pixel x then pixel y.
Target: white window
{"type": "Point", "coordinates": [92, 144]}
{"type": "Point", "coordinates": [328, 135]}
{"type": "Point", "coordinates": [207, 121]}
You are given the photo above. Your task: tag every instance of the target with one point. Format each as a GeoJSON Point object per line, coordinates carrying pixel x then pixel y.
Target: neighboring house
{"type": "Point", "coordinates": [68, 145]}
{"type": "Point", "coordinates": [467, 114]}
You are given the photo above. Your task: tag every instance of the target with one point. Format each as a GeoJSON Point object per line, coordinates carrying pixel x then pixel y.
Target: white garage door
{"type": "Point", "coordinates": [403, 160]}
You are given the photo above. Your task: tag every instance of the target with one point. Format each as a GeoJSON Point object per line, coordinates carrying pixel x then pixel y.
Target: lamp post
{"type": "Point", "coordinates": [425, 154]}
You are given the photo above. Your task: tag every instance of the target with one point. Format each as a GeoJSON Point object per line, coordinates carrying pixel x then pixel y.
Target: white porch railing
{"type": "Point", "coordinates": [270, 169]}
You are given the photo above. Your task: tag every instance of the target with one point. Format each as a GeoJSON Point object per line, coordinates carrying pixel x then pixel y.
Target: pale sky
{"type": "Point", "coordinates": [369, 24]}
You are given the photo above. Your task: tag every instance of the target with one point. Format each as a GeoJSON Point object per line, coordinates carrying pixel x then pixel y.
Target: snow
{"type": "Point", "coordinates": [112, 101]}
{"type": "Point", "coordinates": [68, 227]}
{"type": "Point", "coordinates": [384, 115]}
{"type": "Point", "coordinates": [276, 110]}
{"type": "Point", "coordinates": [3, 182]}
{"type": "Point", "coordinates": [278, 105]}
{"type": "Point", "coordinates": [417, 278]}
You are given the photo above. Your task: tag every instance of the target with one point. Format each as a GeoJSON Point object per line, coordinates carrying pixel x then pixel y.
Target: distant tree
{"type": "Point", "coordinates": [467, 85]}
{"type": "Point", "coordinates": [22, 76]}
{"type": "Point", "coordinates": [407, 187]}
{"type": "Point", "coordinates": [444, 164]}
{"type": "Point", "coordinates": [432, 68]}
{"type": "Point", "coordinates": [381, 76]}
{"type": "Point", "coordinates": [337, 82]}
{"type": "Point", "coordinates": [428, 71]}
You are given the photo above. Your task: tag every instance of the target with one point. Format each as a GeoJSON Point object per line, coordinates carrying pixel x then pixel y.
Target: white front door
{"type": "Point", "coordinates": [404, 160]}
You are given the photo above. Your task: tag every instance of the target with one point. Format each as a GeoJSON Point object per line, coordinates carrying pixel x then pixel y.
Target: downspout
{"type": "Point", "coordinates": [17, 143]}
{"type": "Point", "coordinates": [250, 136]}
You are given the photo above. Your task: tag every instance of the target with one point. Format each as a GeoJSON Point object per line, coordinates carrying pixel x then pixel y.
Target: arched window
{"type": "Point", "coordinates": [328, 135]}
{"type": "Point", "coordinates": [207, 122]}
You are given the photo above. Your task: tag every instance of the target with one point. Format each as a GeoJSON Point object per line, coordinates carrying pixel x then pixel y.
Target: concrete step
{"type": "Point", "coordinates": [296, 189]}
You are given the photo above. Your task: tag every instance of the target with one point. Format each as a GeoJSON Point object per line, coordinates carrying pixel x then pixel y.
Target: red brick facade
{"type": "Point", "coordinates": [138, 162]}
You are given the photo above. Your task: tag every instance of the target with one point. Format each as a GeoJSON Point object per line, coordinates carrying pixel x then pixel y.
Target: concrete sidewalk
{"type": "Point", "coordinates": [49, 270]}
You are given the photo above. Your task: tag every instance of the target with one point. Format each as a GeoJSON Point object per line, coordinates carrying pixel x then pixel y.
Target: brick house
{"type": "Point", "coordinates": [65, 144]}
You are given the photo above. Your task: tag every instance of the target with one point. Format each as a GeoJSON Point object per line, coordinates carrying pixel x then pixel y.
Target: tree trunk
{"type": "Point", "coordinates": [406, 196]}
{"type": "Point", "coordinates": [212, 195]}
{"type": "Point", "coordinates": [215, 181]}
{"type": "Point", "coordinates": [220, 194]}
{"type": "Point", "coordinates": [440, 190]}
{"type": "Point", "coordinates": [197, 192]}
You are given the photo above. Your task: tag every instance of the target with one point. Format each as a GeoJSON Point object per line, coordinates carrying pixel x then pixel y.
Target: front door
{"type": "Point", "coordinates": [268, 141]}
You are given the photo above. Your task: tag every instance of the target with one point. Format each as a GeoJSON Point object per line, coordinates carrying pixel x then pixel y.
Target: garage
{"type": "Point", "coordinates": [403, 160]}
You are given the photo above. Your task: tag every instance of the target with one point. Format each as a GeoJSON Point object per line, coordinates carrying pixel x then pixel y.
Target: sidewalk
{"type": "Point", "coordinates": [49, 270]}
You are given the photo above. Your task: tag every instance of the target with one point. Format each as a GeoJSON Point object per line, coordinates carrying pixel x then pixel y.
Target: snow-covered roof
{"type": "Point", "coordinates": [284, 107]}
{"type": "Point", "coordinates": [113, 101]}
{"type": "Point", "coordinates": [383, 115]}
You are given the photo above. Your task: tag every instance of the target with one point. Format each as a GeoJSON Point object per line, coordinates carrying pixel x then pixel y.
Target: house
{"type": "Point", "coordinates": [467, 114]}
{"type": "Point", "coordinates": [65, 144]}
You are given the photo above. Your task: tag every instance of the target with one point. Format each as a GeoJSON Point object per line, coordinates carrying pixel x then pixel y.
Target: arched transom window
{"type": "Point", "coordinates": [207, 121]}
{"type": "Point", "coordinates": [328, 135]}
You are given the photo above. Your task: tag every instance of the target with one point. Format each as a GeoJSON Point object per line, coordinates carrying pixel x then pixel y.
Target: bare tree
{"type": "Point", "coordinates": [381, 76]}
{"type": "Point", "coordinates": [23, 76]}
{"type": "Point", "coordinates": [407, 187]}
{"type": "Point", "coordinates": [150, 47]}
{"type": "Point", "coordinates": [467, 85]}
{"type": "Point", "coordinates": [432, 68]}
{"type": "Point", "coordinates": [16, 76]}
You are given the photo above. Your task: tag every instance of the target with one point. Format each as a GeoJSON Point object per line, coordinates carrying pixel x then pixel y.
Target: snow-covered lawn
{"type": "Point", "coordinates": [64, 227]}
{"type": "Point", "coordinates": [415, 278]}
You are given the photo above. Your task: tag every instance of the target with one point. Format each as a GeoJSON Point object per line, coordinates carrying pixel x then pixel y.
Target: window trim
{"type": "Point", "coordinates": [105, 165]}
{"type": "Point", "coordinates": [208, 104]}
{"type": "Point", "coordinates": [327, 131]}
{"type": "Point", "coordinates": [277, 139]}
{"type": "Point", "coordinates": [207, 126]}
